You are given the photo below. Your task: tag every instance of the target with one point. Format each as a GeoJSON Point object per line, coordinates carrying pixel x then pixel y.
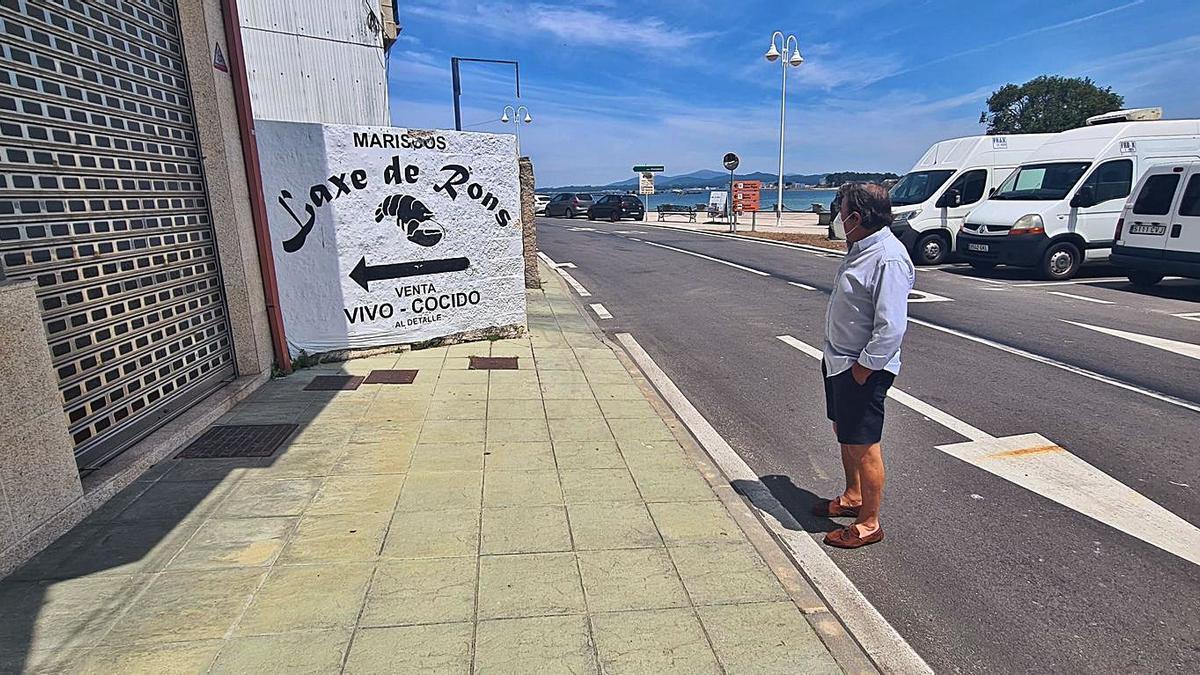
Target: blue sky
{"type": "Point", "coordinates": [612, 84]}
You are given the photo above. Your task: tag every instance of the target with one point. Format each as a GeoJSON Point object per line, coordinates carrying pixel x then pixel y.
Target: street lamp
{"type": "Point", "coordinates": [790, 45]}
{"type": "Point", "coordinates": [517, 120]}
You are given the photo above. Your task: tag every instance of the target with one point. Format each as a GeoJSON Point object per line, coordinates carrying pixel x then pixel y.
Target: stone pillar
{"type": "Point", "coordinates": [39, 482]}
{"type": "Point", "coordinates": [529, 223]}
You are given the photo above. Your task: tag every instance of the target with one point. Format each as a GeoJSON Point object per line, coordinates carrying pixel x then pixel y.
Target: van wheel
{"type": "Point", "coordinates": [931, 249]}
{"type": "Point", "coordinates": [1061, 261]}
{"type": "Point", "coordinates": [1143, 279]}
{"type": "Point", "coordinates": [983, 266]}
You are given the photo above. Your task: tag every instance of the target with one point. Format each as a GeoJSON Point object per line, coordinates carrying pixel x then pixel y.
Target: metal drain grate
{"type": "Point", "coordinates": [334, 383]}
{"type": "Point", "coordinates": [391, 377]}
{"type": "Point", "coordinates": [493, 363]}
{"type": "Point", "coordinates": [239, 440]}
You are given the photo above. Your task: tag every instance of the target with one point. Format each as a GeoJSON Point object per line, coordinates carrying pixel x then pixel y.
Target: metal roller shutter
{"type": "Point", "coordinates": [103, 204]}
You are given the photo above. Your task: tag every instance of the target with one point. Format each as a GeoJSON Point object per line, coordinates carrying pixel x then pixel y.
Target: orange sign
{"type": "Point", "coordinates": [746, 195]}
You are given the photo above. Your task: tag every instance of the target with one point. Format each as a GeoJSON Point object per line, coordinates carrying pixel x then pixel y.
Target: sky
{"type": "Point", "coordinates": [610, 84]}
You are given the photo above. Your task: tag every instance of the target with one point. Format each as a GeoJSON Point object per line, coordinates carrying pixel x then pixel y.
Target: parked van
{"type": "Point", "coordinates": [950, 179]}
{"type": "Point", "coordinates": [1159, 231]}
{"type": "Point", "coordinates": [1060, 207]}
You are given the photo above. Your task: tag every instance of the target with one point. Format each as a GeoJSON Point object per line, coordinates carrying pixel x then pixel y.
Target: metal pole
{"type": "Point", "coordinates": [783, 62]}
{"type": "Point", "coordinates": [732, 216]}
{"type": "Point", "coordinates": [457, 92]}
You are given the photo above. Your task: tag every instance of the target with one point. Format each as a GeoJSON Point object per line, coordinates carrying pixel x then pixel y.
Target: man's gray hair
{"type": "Point", "coordinates": [870, 200]}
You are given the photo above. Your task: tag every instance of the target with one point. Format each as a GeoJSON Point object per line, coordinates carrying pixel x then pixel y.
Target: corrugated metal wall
{"type": "Point", "coordinates": [316, 60]}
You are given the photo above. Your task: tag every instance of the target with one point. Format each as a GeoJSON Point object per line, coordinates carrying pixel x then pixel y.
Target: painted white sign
{"type": "Point", "coordinates": [386, 236]}
{"type": "Point", "coordinates": [646, 183]}
{"type": "Point", "coordinates": [716, 200]}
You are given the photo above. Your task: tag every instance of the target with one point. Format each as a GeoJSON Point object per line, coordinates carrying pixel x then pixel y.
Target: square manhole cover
{"type": "Point", "coordinates": [493, 363]}
{"type": "Point", "coordinates": [334, 383]}
{"type": "Point", "coordinates": [391, 377]}
{"type": "Point", "coordinates": [239, 440]}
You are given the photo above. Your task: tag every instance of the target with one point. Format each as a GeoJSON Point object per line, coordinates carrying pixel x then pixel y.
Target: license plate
{"type": "Point", "coordinates": [1143, 228]}
{"type": "Point", "coordinates": [978, 247]}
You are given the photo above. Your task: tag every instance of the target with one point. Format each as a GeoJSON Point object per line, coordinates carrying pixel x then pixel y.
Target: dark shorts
{"type": "Point", "coordinates": [857, 409]}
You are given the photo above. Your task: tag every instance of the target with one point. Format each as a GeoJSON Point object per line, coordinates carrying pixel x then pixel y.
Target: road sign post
{"type": "Point", "coordinates": [731, 162]}
{"type": "Point", "coordinates": [646, 184]}
{"type": "Point", "coordinates": [746, 197]}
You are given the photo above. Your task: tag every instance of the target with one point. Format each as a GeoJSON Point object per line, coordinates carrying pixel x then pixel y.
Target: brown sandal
{"type": "Point", "coordinates": [832, 508]}
{"type": "Point", "coordinates": [848, 537]}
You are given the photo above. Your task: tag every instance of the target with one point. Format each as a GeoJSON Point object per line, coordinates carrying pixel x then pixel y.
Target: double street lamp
{"type": "Point", "coordinates": [516, 119]}
{"type": "Point", "coordinates": [790, 46]}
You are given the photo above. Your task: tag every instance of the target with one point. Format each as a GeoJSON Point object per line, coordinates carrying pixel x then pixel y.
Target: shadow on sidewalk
{"type": "Point", "coordinates": [65, 599]}
{"type": "Point", "coordinates": [797, 503]}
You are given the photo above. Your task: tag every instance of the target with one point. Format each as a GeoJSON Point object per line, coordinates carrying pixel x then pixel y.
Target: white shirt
{"type": "Point", "coordinates": [868, 311]}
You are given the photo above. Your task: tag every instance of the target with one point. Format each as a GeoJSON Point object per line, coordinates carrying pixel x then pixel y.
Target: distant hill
{"type": "Point", "coordinates": [696, 179]}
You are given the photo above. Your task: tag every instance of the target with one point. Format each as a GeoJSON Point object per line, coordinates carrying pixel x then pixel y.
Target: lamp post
{"type": "Point", "coordinates": [456, 82]}
{"type": "Point", "coordinates": [788, 44]}
{"type": "Point", "coordinates": [516, 119]}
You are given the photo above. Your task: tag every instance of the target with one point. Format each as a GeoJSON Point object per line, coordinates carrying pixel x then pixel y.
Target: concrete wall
{"type": "Point", "coordinates": [229, 196]}
{"type": "Point", "coordinates": [39, 484]}
{"type": "Point", "coordinates": [529, 223]}
{"type": "Point", "coordinates": [316, 60]}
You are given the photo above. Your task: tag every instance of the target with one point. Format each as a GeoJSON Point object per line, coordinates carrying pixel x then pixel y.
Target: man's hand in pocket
{"type": "Point", "coordinates": [860, 373]}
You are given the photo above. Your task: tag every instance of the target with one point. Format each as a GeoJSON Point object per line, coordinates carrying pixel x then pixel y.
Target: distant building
{"type": "Point", "coordinates": [319, 60]}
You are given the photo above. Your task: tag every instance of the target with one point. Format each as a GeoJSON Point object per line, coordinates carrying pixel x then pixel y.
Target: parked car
{"type": "Point", "coordinates": [539, 204]}
{"type": "Point", "coordinates": [1059, 209]}
{"type": "Point", "coordinates": [569, 205]}
{"type": "Point", "coordinates": [1159, 230]}
{"type": "Point", "coordinates": [616, 207]}
{"type": "Point", "coordinates": [951, 178]}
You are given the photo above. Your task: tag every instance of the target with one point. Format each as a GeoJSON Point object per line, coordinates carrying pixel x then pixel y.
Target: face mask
{"type": "Point", "coordinates": [839, 227]}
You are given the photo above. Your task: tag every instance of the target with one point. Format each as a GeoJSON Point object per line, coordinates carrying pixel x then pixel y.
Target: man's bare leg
{"type": "Point", "coordinates": [868, 461]}
{"type": "Point", "coordinates": [853, 494]}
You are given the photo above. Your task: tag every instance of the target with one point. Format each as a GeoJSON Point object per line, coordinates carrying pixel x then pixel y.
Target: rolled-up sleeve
{"type": "Point", "coordinates": [891, 314]}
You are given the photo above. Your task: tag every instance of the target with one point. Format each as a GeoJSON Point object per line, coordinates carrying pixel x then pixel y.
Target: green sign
{"type": "Point", "coordinates": [648, 167]}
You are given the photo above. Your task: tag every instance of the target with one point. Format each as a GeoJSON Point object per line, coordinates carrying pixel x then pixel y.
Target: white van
{"type": "Point", "coordinates": [1159, 231]}
{"type": "Point", "coordinates": [950, 179]}
{"type": "Point", "coordinates": [1060, 207]}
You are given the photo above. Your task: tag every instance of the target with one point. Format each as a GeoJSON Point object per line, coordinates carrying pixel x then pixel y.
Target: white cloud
{"type": "Point", "coordinates": [578, 25]}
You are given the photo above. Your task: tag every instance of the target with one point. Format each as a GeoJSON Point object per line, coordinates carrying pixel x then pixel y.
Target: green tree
{"type": "Point", "coordinates": [1047, 104]}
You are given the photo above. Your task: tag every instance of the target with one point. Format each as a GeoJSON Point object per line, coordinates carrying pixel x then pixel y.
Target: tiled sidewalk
{"type": "Point", "coordinates": [537, 520]}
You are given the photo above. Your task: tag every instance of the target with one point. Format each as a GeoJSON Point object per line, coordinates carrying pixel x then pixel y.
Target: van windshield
{"type": "Point", "coordinates": [1041, 182]}
{"type": "Point", "coordinates": [918, 186]}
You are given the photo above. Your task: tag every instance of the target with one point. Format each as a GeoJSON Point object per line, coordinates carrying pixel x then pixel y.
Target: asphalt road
{"type": "Point", "coordinates": [977, 573]}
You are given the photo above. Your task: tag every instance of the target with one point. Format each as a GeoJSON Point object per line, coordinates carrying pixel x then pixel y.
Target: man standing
{"type": "Point", "coordinates": [865, 323]}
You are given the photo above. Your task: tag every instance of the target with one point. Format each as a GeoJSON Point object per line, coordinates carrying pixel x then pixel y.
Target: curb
{"type": "Point", "coordinates": [760, 240]}
{"type": "Point", "coordinates": [837, 639]}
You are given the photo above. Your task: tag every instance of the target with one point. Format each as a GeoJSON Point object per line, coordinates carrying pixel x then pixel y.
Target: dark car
{"type": "Point", "coordinates": [616, 207]}
{"type": "Point", "coordinates": [568, 205]}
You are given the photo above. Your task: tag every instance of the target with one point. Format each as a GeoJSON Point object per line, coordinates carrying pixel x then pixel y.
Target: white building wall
{"type": "Point", "coordinates": [316, 60]}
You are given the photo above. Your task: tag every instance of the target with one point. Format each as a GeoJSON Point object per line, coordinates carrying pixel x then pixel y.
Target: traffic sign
{"type": "Point", "coordinates": [731, 161]}
{"type": "Point", "coordinates": [646, 183]}
{"type": "Point", "coordinates": [642, 168]}
{"type": "Point", "coordinates": [746, 195]}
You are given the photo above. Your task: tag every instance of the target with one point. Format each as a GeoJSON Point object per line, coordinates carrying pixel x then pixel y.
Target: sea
{"type": "Point", "coordinates": [793, 200]}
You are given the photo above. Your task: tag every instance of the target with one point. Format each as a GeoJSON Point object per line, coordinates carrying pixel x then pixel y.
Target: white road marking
{"type": "Point", "coordinates": [709, 258]}
{"type": "Point", "coordinates": [950, 422]}
{"type": "Point", "coordinates": [582, 229]}
{"type": "Point", "coordinates": [1166, 398]}
{"type": "Point", "coordinates": [806, 287]}
{"type": "Point", "coordinates": [1190, 316]}
{"type": "Point", "coordinates": [990, 281]}
{"type": "Point", "coordinates": [1074, 282]}
{"type": "Point", "coordinates": [1038, 465]}
{"type": "Point", "coordinates": [567, 265]}
{"type": "Point", "coordinates": [583, 292]}
{"type": "Point", "coordinates": [1080, 297]}
{"type": "Point", "coordinates": [876, 636]}
{"type": "Point", "coordinates": [600, 311]}
{"type": "Point", "coordinates": [1175, 346]}
{"type": "Point", "coordinates": [926, 296]}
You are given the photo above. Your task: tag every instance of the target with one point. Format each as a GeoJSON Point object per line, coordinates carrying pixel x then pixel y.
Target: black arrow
{"type": "Point", "coordinates": [364, 274]}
